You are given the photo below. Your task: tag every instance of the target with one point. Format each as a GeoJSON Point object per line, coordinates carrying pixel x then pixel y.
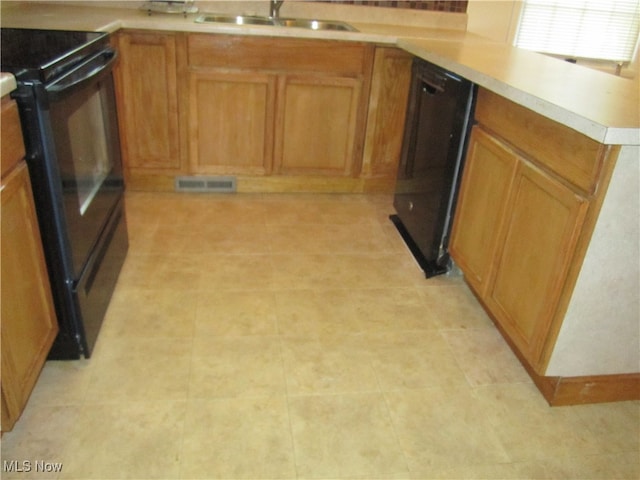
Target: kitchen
{"type": "Point", "coordinates": [270, 218]}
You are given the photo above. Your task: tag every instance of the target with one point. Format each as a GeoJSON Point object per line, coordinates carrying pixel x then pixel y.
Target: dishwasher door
{"type": "Point", "coordinates": [439, 107]}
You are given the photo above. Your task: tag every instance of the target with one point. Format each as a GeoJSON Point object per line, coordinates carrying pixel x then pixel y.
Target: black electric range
{"type": "Point", "coordinates": [33, 54]}
{"type": "Point", "coordinates": [66, 100]}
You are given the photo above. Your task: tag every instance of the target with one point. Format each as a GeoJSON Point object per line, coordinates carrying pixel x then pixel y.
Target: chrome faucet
{"type": "Point", "coordinates": [274, 10]}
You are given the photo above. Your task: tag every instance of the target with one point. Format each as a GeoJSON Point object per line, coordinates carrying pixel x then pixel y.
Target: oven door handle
{"type": "Point", "coordinates": [88, 71]}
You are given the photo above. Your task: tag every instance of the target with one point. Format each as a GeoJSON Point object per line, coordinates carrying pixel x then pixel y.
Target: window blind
{"type": "Point", "coordinates": [597, 29]}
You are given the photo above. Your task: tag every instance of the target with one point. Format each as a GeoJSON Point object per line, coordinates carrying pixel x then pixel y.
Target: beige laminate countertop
{"type": "Point", "coordinates": [7, 84]}
{"type": "Point", "coordinates": [603, 107]}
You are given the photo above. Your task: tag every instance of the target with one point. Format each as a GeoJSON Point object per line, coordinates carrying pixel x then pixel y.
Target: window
{"type": "Point", "coordinates": [595, 29]}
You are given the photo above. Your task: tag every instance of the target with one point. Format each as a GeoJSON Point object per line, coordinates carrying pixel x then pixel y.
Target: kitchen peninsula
{"type": "Point", "coordinates": [589, 348]}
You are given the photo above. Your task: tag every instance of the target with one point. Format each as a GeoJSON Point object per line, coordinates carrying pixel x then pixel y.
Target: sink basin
{"type": "Point", "coordinates": [277, 22]}
{"type": "Point", "coordinates": [315, 24]}
{"type": "Point", "coordinates": [236, 19]}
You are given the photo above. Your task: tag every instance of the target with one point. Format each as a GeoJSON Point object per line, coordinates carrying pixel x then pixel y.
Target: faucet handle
{"type": "Point", "coordinates": [274, 10]}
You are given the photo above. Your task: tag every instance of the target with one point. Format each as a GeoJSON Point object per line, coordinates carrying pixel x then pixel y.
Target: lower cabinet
{"type": "Point", "coordinates": [148, 104]}
{"type": "Point", "coordinates": [318, 128]}
{"type": "Point", "coordinates": [390, 82]}
{"type": "Point", "coordinates": [231, 122]}
{"type": "Point", "coordinates": [29, 323]}
{"type": "Point", "coordinates": [485, 187]}
{"type": "Point", "coordinates": [281, 114]}
{"type": "Point", "coordinates": [536, 247]}
{"type": "Point", "coordinates": [276, 106]}
{"type": "Point", "coordinates": [515, 236]}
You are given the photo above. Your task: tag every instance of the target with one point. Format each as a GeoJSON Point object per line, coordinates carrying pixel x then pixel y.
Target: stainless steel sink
{"type": "Point", "coordinates": [315, 24]}
{"type": "Point", "coordinates": [305, 23]}
{"type": "Point", "coordinates": [236, 19]}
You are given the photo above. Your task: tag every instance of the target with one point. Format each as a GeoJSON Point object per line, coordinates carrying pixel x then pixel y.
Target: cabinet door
{"type": "Point", "coordinates": [486, 182]}
{"type": "Point", "coordinates": [231, 122]}
{"type": "Point", "coordinates": [29, 323]}
{"type": "Point", "coordinates": [317, 125]}
{"type": "Point", "coordinates": [543, 222]}
{"type": "Point", "coordinates": [148, 101]}
{"type": "Point", "coordinates": [11, 142]}
{"type": "Point", "coordinates": [387, 111]}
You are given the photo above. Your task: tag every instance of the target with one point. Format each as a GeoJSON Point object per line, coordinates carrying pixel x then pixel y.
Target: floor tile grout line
{"type": "Point", "coordinates": [405, 454]}
{"type": "Point", "coordinates": [382, 393]}
{"type": "Point", "coordinates": [455, 358]}
{"type": "Point", "coordinates": [188, 399]}
{"type": "Point", "coordinates": [289, 413]}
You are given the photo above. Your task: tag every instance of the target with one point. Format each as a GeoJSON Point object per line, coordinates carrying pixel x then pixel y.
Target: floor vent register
{"type": "Point", "coordinates": [206, 184]}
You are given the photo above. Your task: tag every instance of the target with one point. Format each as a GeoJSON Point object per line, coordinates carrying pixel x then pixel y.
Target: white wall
{"type": "Point", "coordinates": [494, 19]}
{"type": "Point", "coordinates": [601, 330]}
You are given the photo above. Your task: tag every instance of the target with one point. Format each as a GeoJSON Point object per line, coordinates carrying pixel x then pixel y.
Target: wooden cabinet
{"type": "Point", "coordinates": [569, 155]}
{"type": "Point", "coordinates": [318, 130]}
{"type": "Point", "coordinates": [537, 244]}
{"type": "Point", "coordinates": [231, 122]}
{"type": "Point", "coordinates": [275, 105]}
{"type": "Point", "coordinates": [29, 323]}
{"type": "Point", "coordinates": [390, 83]}
{"type": "Point", "coordinates": [485, 187]}
{"type": "Point", "coordinates": [280, 114]}
{"type": "Point", "coordinates": [148, 104]}
{"type": "Point", "coordinates": [520, 220]}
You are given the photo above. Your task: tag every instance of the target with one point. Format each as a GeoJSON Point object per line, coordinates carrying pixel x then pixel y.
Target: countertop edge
{"type": "Point", "coordinates": [599, 132]}
{"type": "Point", "coordinates": [7, 84]}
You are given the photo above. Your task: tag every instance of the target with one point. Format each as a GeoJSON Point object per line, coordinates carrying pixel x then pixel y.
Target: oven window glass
{"type": "Point", "coordinates": [89, 152]}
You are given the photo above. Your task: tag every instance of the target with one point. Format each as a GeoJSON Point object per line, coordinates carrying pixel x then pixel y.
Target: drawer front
{"type": "Point", "coordinates": [11, 140]}
{"type": "Point", "coordinates": [272, 53]}
{"type": "Point", "coordinates": [573, 156]}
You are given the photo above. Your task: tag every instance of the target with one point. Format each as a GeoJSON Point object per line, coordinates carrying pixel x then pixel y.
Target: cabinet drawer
{"type": "Point", "coordinates": [11, 140]}
{"type": "Point", "coordinates": [573, 156]}
{"type": "Point", "coordinates": [269, 53]}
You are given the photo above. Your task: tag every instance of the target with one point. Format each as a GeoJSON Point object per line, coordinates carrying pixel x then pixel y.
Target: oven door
{"type": "Point", "coordinates": [84, 124]}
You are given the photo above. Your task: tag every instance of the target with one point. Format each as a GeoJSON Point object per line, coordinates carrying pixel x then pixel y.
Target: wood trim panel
{"type": "Point", "coordinates": [144, 181]}
{"type": "Point", "coordinates": [565, 391]}
{"type": "Point", "coordinates": [277, 54]}
{"type": "Point", "coordinates": [562, 391]}
{"type": "Point", "coordinates": [573, 156]}
{"type": "Point", "coordinates": [11, 141]}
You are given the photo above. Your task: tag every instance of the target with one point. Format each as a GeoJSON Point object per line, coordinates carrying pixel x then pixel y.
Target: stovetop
{"type": "Point", "coordinates": [32, 54]}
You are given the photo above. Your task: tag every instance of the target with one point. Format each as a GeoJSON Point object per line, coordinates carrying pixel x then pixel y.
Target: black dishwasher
{"type": "Point", "coordinates": [436, 129]}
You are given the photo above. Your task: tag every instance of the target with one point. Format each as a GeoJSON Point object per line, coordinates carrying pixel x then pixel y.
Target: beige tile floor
{"type": "Point", "coordinates": [293, 336]}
